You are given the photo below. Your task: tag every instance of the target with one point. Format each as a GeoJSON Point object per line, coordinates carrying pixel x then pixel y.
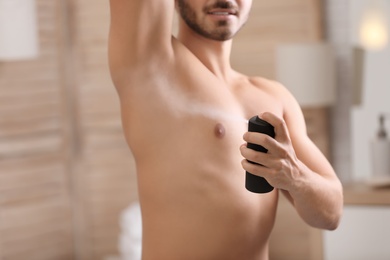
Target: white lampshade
{"type": "Point", "coordinates": [308, 71]}
{"type": "Point", "coordinates": [373, 27]}
{"type": "Point", "coordinates": [18, 30]}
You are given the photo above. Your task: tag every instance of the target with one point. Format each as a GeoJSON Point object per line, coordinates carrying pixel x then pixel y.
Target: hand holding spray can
{"type": "Point", "coordinates": [256, 183]}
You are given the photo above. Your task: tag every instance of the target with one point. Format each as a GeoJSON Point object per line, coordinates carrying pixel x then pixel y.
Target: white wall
{"type": "Point", "coordinates": [336, 26]}
{"type": "Point", "coordinates": [363, 235]}
{"type": "Point", "coordinates": [375, 99]}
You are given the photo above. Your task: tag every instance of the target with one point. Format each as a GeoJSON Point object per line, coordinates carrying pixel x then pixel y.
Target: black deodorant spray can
{"type": "Point", "coordinates": [256, 183]}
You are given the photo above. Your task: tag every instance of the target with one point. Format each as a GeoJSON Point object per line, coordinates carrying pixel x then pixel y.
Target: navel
{"type": "Point", "coordinates": [219, 130]}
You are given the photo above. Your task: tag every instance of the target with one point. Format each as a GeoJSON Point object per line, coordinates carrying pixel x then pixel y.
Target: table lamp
{"type": "Point", "coordinates": [308, 71]}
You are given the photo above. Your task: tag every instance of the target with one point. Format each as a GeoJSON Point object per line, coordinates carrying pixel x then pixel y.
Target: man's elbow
{"type": "Point", "coordinates": [331, 217]}
{"type": "Point", "coordinates": [335, 214]}
{"type": "Point", "coordinates": [333, 223]}
{"type": "Point", "coordinates": [334, 218]}
{"type": "Point", "coordinates": [329, 222]}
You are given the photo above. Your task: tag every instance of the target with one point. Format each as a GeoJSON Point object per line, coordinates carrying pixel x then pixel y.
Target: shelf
{"type": "Point", "coordinates": [364, 194]}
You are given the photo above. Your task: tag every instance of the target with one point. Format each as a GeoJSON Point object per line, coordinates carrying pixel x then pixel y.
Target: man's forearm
{"type": "Point", "coordinates": [319, 201]}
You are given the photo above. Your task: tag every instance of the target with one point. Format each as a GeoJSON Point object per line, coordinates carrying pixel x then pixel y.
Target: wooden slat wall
{"type": "Point", "coordinates": [105, 174]}
{"type": "Point", "coordinates": [270, 23]}
{"type": "Point", "coordinates": [35, 202]}
{"type": "Point", "coordinates": [65, 170]}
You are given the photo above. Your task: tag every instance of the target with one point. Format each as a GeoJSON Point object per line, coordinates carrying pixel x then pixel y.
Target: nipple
{"type": "Point", "coordinates": [219, 130]}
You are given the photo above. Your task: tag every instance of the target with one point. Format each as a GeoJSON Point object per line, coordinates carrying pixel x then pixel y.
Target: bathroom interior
{"type": "Point", "coordinates": [68, 188]}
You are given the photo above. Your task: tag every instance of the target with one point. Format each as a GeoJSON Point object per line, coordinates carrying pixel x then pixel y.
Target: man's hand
{"type": "Point", "coordinates": [280, 166]}
{"type": "Point", "coordinates": [309, 182]}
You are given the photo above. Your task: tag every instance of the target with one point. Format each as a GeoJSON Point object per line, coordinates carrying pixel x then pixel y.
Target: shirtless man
{"type": "Point", "coordinates": [182, 108]}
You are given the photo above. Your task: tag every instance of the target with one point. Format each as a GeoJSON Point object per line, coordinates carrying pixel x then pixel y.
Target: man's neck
{"type": "Point", "coordinates": [215, 55]}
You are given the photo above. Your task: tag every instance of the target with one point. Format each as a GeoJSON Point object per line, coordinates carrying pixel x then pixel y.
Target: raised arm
{"type": "Point", "coordinates": [140, 31]}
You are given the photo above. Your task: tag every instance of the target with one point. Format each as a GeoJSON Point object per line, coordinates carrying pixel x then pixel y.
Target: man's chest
{"type": "Point", "coordinates": [211, 98]}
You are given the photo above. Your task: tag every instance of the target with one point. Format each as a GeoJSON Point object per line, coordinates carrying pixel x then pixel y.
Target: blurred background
{"type": "Point", "coordinates": [67, 175]}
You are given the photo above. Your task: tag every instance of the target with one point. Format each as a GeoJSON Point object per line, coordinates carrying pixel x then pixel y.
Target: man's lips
{"type": "Point", "coordinates": [222, 12]}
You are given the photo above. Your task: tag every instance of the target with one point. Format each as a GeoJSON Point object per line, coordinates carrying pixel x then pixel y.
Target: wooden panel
{"type": "Point", "coordinates": [39, 230]}
{"type": "Point", "coordinates": [105, 175]}
{"type": "Point", "coordinates": [366, 195]}
{"type": "Point", "coordinates": [270, 23]}
{"type": "Point", "coordinates": [318, 128]}
{"type": "Point", "coordinates": [35, 201]}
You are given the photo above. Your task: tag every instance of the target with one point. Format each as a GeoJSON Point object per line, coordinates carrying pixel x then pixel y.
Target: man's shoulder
{"type": "Point", "coordinates": [267, 84]}
{"type": "Point", "coordinates": [274, 88]}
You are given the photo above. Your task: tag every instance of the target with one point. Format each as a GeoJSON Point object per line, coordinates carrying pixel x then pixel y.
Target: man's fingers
{"type": "Point", "coordinates": [256, 169]}
{"type": "Point", "coordinates": [280, 127]}
{"type": "Point", "coordinates": [256, 157]}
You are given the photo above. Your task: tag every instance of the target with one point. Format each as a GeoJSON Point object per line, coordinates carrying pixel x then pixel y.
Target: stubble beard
{"type": "Point", "coordinates": [221, 33]}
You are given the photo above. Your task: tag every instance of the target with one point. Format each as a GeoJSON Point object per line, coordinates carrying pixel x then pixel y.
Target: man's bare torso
{"type": "Point", "coordinates": [185, 127]}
